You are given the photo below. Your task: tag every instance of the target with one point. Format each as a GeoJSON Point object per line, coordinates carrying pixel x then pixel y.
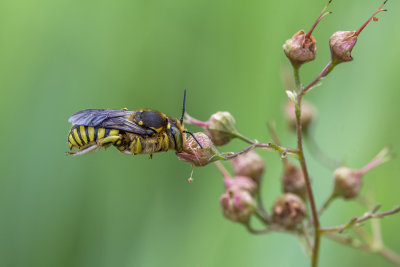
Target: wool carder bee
{"type": "Point", "coordinates": [143, 131]}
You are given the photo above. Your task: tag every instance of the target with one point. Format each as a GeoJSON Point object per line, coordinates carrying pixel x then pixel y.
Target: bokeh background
{"type": "Point", "coordinates": [109, 209]}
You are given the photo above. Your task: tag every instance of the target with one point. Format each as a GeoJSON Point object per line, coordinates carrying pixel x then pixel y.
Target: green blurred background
{"type": "Point", "coordinates": [109, 209]}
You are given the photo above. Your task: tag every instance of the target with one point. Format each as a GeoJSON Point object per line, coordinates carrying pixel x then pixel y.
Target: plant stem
{"type": "Point", "coordinates": [317, 234]}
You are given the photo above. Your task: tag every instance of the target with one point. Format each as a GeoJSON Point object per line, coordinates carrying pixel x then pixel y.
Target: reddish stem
{"type": "Point", "coordinates": [373, 15]}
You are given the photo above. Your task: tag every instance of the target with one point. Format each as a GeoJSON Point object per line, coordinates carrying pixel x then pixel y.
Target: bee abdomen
{"type": "Point", "coordinates": [81, 135]}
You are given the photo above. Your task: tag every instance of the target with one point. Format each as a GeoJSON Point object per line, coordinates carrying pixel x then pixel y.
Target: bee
{"type": "Point", "coordinates": [143, 131]}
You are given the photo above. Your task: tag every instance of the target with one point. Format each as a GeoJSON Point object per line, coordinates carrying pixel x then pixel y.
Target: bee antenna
{"type": "Point", "coordinates": [194, 137]}
{"type": "Point", "coordinates": [183, 108]}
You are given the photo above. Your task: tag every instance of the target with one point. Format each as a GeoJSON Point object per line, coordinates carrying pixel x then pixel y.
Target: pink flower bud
{"type": "Point", "coordinates": [301, 48]}
{"type": "Point", "coordinates": [293, 180]}
{"type": "Point", "coordinates": [240, 183]}
{"type": "Point", "coordinates": [237, 206]}
{"type": "Point", "coordinates": [198, 156]}
{"type": "Point", "coordinates": [249, 164]}
{"type": "Point", "coordinates": [288, 211]}
{"type": "Point", "coordinates": [308, 115]}
{"type": "Point", "coordinates": [341, 44]}
{"type": "Point", "coordinates": [348, 182]}
{"type": "Point", "coordinates": [220, 128]}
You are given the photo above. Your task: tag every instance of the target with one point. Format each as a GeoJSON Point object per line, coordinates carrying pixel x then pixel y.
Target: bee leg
{"type": "Point", "coordinates": [151, 156]}
{"type": "Point", "coordinates": [105, 142]}
{"type": "Point", "coordinates": [87, 150]}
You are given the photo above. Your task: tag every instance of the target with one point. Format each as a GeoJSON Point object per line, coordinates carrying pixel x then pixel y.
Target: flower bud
{"type": "Point", "coordinates": [240, 183]}
{"type": "Point", "coordinates": [308, 115]}
{"type": "Point", "coordinates": [341, 44]}
{"type": "Point", "coordinates": [347, 182]}
{"type": "Point", "coordinates": [288, 211]}
{"type": "Point", "coordinates": [293, 180]}
{"type": "Point", "coordinates": [249, 164]}
{"type": "Point", "coordinates": [198, 156]}
{"type": "Point", "coordinates": [300, 49]}
{"type": "Point", "coordinates": [237, 205]}
{"type": "Point", "coordinates": [220, 128]}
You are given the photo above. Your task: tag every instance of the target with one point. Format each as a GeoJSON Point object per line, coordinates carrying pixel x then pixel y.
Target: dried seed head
{"type": "Point", "coordinates": [221, 127]}
{"type": "Point", "coordinates": [301, 48]}
{"type": "Point", "coordinates": [240, 183]}
{"type": "Point", "coordinates": [308, 115]}
{"type": "Point", "coordinates": [250, 164]}
{"type": "Point", "coordinates": [198, 156]}
{"type": "Point", "coordinates": [341, 44]}
{"type": "Point", "coordinates": [237, 205]}
{"type": "Point", "coordinates": [293, 180]}
{"type": "Point", "coordinates": [288, 211]}
{"type": "Point", "coordinates": [347, 182]}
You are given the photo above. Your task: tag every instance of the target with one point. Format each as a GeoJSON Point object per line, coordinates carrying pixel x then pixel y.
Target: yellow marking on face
{"type": "Point", "coordinates": [77, 137]}
{"type": "Point", "coordinates": [157, 129]}
{"type": "Point", "coordinates": [114, 132]}
{"type": "Point", "coordinates": [118, 142]}
{"type": "Point", "coordinates": [83, 134]}
{"type": "Point", "coordinates": [100, 133]}
{"type": "Point", "coordinates": [169, 126]}
{"type": "Point", "coordinates": [91, 134]}
{"type": "Point", "coordinates": [140, 123]}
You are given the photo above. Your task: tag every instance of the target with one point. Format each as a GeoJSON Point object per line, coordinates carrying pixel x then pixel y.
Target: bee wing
{"type": "Point", "coordinates": [108, 118]}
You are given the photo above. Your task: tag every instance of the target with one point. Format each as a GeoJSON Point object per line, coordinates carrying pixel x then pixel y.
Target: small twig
{"type": "Point", "coordinates": [355, 220]}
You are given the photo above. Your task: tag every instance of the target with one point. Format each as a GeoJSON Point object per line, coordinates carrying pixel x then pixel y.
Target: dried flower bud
{"type": "Point", "coordinates": [308, 115]}
{"type": "Point", "coordinates": [288, 211]}
{"type": "Point", "coordinates": [250, 164]}
{"type": "Point", "coordinates": [198, 156]}
{"type": "Point", "coordinates": [240, 183]}
{"type": "Point", "coordinates": [220, 128]}
{"type": "Point", "coordinates": [347, 182]}
{"type": "Point", "coordinates": [341, 44]}
{"type": "Point", "coordinates": [293, 180]}
{"type": "Point", "coordinates": [301, 48]}
{"type": "Point", "coordinates": [237, 206]}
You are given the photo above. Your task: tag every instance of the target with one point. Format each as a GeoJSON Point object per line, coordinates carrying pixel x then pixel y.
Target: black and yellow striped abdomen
{"type": "Point", "coordinates": [82, 136]}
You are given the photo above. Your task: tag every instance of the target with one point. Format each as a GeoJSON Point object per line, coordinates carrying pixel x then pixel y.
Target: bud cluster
{"type": "Point", "coordinates": [237, 202]}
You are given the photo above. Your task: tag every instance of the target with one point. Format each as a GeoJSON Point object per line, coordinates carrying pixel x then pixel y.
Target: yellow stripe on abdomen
{"type": "Point", "coordinates": [83, 134]}
{"type": "Point", "coordinates": [100, 133]}
{"type": "Point", "coordinates": [71, 140]}
{"type": "Point", "coordinates": [75, 131]}
{"type": "Point", "coordinates": [91, 133]}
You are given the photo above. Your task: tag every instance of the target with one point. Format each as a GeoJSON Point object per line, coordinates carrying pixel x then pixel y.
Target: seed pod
{"type": "Point", "coordinates": [250, 164]}
{"type": "Point", "coordinates": [293, 180]}
{"type": "Point", "coordinates": [198, 156]}
{"type": "Point", "coordinates": [341, 44]}
{"type": "Point", "coordinates": [308, 115]}
{"type": "Point", "coordinates": [237, 206]}
{"type": "Point", "coordinates": [288, 211]}
{"type": "Point", "coordinates": [240, 183]}
{"type": "Point", "coordinates": [301, 48]}
{"type": "Point", "coordinates": [220, 128]}
{"type": "Point", "coordinates": [347, 182]}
